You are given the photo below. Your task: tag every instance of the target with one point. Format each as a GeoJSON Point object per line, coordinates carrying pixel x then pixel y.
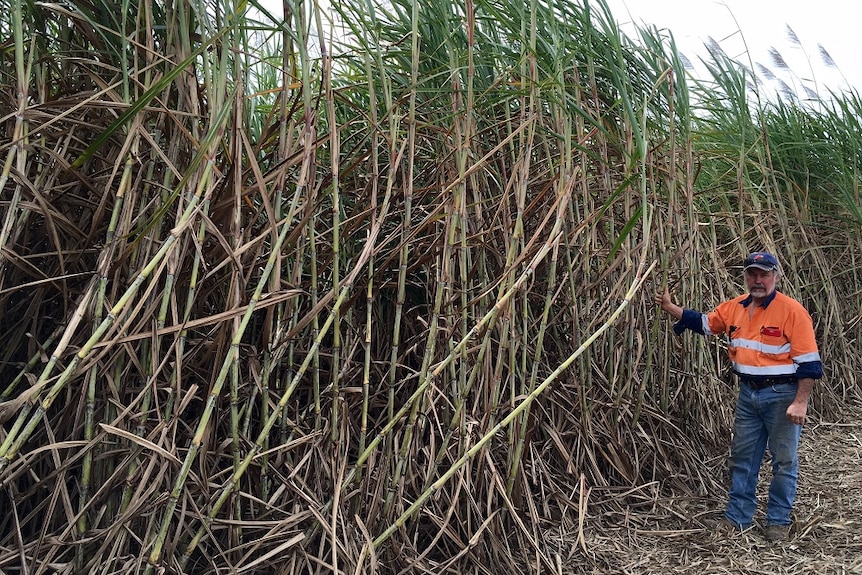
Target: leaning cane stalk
{"type": "Point", "coordinates": [8, 448]}
{"type": "Point", "coordinates": [515, 413]}
{"type": "Point", "coordinates": [31, 363]}
{"type": "Point", "coordinates": [501, 304]}
{"type": "Point", "coordinates": [455, 423]}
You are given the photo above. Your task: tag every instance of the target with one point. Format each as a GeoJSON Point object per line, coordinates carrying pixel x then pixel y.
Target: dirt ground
{"type": "Point", "coordinates": [665, 535]}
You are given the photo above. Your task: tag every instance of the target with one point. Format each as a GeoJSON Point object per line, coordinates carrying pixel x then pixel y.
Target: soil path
{"type": "Point", "coordinates": [665, 535]}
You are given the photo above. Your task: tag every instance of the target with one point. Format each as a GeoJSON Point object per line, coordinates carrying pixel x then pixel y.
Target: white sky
{"type": "Point", "coordinates": [761, 25]}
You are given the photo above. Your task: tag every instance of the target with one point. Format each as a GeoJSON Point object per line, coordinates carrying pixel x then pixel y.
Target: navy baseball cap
{"type": "Point", "coordinates": [761, 260]}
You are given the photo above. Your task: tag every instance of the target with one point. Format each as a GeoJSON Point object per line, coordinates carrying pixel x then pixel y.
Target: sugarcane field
{"type": "Point", "coordinates": [402, 287]}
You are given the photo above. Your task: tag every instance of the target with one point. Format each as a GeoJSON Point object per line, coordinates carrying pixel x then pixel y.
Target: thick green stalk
{"type": "Point", "coordinates": [92, 376]}
{"type": "Point", "coordinates": [375, 179]}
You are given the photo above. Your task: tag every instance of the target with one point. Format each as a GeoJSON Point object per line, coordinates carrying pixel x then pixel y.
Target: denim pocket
{"type": "Point", "coordinates": [785, 388]}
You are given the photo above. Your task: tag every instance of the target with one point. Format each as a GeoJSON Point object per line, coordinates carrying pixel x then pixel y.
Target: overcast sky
{"type": "Point", "coordinates": [760, 25]}
{"type": "Point", "coordinates": [747, 30]}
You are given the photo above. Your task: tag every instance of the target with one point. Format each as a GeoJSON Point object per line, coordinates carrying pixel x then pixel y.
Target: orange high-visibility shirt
{"type": "Point", "coordinates": [774, 339]}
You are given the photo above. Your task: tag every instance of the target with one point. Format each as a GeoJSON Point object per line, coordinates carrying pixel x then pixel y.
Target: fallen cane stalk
{"type": "Point", "coordinates": [639, 278]}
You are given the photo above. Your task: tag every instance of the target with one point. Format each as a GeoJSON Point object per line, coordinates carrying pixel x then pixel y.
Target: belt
{"type": "Point", "coordinates": [768, 382]}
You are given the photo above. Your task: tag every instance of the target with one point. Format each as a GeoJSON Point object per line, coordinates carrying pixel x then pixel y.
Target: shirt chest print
{"type": "Point", "coordinates": [771, 331]}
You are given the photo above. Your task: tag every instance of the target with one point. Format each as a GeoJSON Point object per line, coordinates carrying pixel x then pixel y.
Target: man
{"type": "Point", "coordinates": [774, 354]}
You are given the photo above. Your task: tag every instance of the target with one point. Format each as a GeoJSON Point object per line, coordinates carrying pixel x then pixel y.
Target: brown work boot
{"type": "Point", "coordinates": [775, 533]}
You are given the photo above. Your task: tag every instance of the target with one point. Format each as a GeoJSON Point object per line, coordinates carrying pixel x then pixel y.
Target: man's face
{"type": "Point", "coordinates": [760, 283]}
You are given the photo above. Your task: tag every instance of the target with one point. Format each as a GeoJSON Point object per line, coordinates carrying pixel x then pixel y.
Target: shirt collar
{"type": "Point", "coordinates": [766, 302]}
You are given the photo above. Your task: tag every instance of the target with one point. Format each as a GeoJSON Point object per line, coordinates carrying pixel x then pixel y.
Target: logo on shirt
{"type": "Point", "coordinates": [771, 331]}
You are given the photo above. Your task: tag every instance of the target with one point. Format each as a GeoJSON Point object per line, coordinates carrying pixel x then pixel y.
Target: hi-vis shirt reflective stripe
{"type": "Point", "coordinates": [769, 340]}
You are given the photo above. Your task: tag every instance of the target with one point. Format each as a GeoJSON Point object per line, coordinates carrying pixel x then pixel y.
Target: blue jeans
{"type": "Point", "coordinates": [761, 423]}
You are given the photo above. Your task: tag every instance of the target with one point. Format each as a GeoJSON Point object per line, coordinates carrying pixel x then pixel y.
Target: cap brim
{"type": "Point", "coordinates": [764, 267]}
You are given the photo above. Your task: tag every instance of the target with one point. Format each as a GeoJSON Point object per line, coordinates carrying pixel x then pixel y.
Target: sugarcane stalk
{"type": "Point", "coordinates": [537, 356]}
{"type": "Point", "coordinates": [463, 110]}
{"type": "Point", "coordinates": [665, 235]}
{"type": "Point", "coordinates": [154, 557]}
{"type": "Point", "coordinates": [92, 376]}
{"type": "Point", "coordinates": [566, 185]}
{"type": "Point", "coordinates": [407, 407]}
{"type": "Point", "coordinates": [336, 243]}
{"type": "Point", "coordinates": [17, 149]}
{"type": "Point", "coordinates": [335, 372]}
{"type": "Point", "coordinates": [466, 381]}
{"type": "Point", "coordinates": [31, 363]}
{"type": "Point", "coordinates": [236, 223]}
{"type": "Point", "coordinates": [6, 454]}
{"type": "Point", "coordinates": [404, 252]}
{"type": "Point", "coordinates": [375, 178]}
{"type": "Point", "coordinates": [314, 290]}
